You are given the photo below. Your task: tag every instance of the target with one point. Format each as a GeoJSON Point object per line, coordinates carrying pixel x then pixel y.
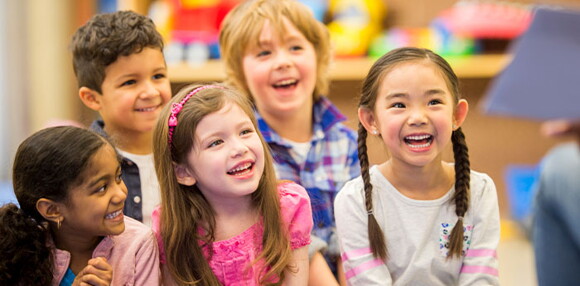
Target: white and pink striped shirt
{"type": "Point", "coordinates": [417, 234]}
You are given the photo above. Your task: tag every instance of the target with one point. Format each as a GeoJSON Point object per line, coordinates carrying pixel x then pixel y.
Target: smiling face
{"type": "Point", "coordinates": [415, 113]}
{"type": "Point", "coordinates": [227, 161]}
{"type": "Point", "coordinates": [95, 206]}
{"type": "Point", "coordinates": [281, 71]}
{"type": "Point", "coordinates": [134, 91]}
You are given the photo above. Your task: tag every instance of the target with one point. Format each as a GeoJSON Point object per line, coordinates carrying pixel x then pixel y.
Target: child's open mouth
{"type": "Point", "coordinates": [419, 141]}
{"type": "Point", "coordinates": [241, 170]}
{"type": "Point", "coordinates": [286, 83]}
{"type": "Point", "coordinates": [146, 109]}
{"type": "Point", "coordinates": [114, 214]}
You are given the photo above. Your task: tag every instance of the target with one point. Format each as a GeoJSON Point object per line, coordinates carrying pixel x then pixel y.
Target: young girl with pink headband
{"type": "Point", "coordinates": [224, 219]}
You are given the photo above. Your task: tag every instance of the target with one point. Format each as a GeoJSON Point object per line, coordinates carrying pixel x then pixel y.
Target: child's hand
{"type": "Point", "coordinates": [98, 272]}
{"type": "Point", "coordinates": [563, 127]}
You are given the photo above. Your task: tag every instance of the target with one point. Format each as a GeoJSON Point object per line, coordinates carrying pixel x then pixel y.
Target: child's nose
{"type": "Point", "coordinates": [120, 193]}
{"type": "Point", "coordinates": [282, 60]}
{"type": "Point", "coordinates": [239, 149]}
{"type": "Point", "coordinates": [417, 116]}
{"type": "Point", "coordinates": [149, 90]}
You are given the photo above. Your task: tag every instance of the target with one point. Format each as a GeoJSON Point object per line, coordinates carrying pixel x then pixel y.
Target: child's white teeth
{"type": "Point", "coordinates": [114, 214]}
{"type": "Point", "coordinates": [419, 146]}
{"type": "Point", "coordinates": [417, 137]}
{"type": "Point", "coordinates": [240, 168]}
{"type": "Point", "coordinates": [285, 82]}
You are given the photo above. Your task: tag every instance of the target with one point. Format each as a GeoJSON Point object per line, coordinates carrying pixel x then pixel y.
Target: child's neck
{"type": "Point", "coordinates": [139, 143]}
{"type": "Point", "coordinates": [80, 247]}
{"type": "Point", "coordinates": [295, 127]}
{"type": "Point", "coordinates": [420, 183]}
{"type": "Point", "coordinates": [234, 217]}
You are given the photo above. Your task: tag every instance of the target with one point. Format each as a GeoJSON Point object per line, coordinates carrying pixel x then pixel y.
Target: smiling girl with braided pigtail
{"type": "Point", "coordinates": [416, 219]}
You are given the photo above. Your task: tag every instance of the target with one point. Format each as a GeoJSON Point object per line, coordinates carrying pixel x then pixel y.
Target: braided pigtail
{"type": "Point", "coordinates": [461, 197]}
{"type": "Point", "coordinates": [376, 237]}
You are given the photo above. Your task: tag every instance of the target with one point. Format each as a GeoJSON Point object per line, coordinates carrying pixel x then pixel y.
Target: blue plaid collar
{"type": "Point", "coordinates": [325, 116]}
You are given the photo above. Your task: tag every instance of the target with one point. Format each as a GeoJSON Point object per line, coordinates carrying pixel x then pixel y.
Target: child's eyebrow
{"type": "Point", "coordinates": [98, 180]}
{"type": "Point", "coordinates": [394, 95]}
{"type": "Point", "coordinates": [435, 91]}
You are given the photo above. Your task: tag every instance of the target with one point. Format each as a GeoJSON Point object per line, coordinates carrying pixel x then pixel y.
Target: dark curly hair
{"type": "Point", "coordinates": [104, 38]}
{"type": "Point", "coordinates": [47, 165]}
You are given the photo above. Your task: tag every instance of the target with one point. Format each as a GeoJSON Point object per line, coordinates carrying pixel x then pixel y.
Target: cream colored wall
{"type": "Point", "coordinates": [50, 86]}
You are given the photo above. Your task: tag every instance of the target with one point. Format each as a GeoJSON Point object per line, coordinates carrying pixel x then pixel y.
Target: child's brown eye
{"type": "Point", "coordinates": [435, 102]}
{"type": "Point", "coordinates": [215, 143]}
{"type": "Point", "coordinates": [129, 82]}
{"type": "Point", "coordinates": [398, 105]}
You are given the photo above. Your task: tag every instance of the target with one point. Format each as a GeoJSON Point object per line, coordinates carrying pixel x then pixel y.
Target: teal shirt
{"type": "Point", "coordinates": [68, 279]}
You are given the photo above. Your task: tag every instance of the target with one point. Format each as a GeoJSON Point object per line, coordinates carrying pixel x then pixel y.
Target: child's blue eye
{"type": "Point", "coordinates": [263, 53]}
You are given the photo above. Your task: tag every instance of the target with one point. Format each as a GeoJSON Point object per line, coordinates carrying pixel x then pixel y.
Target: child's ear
{"type": "Point", "coordinates": [50, 210]}
{"type": "Point", "coordinates": [90, 98]}
{"type": "Point", "coordinates": [184, 175]}
{"type": "Point", "coordinates": [460, 113]}
{"type": "Point", "coordinates": [367, 118]}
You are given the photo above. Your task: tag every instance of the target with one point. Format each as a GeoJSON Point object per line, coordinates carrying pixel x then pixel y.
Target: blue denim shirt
{"type": "Point", "coordinates": [130, 174]}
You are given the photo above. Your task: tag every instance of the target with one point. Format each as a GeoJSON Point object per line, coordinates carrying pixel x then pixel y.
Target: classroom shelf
{"type": "Point", "coordinates": [474, 66]}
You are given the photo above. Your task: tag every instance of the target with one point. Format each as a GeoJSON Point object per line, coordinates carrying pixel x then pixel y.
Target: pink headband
{"type": "Point", "coordinates": [176, 108]}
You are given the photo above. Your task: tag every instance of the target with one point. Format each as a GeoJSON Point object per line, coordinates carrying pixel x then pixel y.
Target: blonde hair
{"type": "Point", "coordinates": [368, 100]}
{"type": "Point", "coordinates": [184, 208]}
{"type": "Point", "coordinates": [242, 26]}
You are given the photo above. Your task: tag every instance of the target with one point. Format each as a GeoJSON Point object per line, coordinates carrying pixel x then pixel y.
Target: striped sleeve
{"type": "Point", "coordinates": [360, 267]}
{"type": "Point", "coordinates": [480, 264]}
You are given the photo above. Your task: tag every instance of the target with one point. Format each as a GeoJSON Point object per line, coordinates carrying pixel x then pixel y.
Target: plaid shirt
{"type": "Point", "coordinates": [330, 163]}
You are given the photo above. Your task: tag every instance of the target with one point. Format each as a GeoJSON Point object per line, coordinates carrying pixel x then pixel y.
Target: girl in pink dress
{"type": "Point", "coordinates": [224, 219]}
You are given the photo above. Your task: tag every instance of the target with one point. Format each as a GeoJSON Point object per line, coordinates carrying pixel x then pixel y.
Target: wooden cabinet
{"type": "Point", "coordinates": [476, 66]}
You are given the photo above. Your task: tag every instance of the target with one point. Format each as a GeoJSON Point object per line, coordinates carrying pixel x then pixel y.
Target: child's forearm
{"type": "Point", "coordinates": [298, 274]}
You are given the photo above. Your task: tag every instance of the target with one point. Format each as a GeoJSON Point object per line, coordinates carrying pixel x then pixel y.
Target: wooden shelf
{"type": "Point", "coordinates": [475, 66]}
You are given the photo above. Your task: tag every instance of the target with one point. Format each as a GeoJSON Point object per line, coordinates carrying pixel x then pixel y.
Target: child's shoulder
{"type": "Point", "coordinates": [479, 179]}
{"type": "Point", "coordinates": [135, 228]}
{"type": "Point", "coordinates": [351, 192]}
{"type": "Point", "coordinates": [481, 186]}
{"type": "Point", "coordinates": [289, 190]}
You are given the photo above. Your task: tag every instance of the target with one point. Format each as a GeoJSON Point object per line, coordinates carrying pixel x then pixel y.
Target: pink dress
{"type": "Point", "coordinates": [232, 258]}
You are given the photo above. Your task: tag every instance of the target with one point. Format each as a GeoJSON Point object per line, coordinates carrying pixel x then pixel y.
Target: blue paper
{"type": "Point", "coordinates": [543, 79]}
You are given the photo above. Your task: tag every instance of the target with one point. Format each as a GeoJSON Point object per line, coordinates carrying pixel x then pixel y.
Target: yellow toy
{"type": "Point", "coordinates": [354, 24]}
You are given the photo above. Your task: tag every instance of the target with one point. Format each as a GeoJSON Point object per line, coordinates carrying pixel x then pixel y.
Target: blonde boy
{"type": "Point", "coordinates": [121, 73]}
{"type": "Point", "coordinates": [278, 54]}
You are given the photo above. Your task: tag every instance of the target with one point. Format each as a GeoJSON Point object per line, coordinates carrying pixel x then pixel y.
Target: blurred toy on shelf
{"type": "Point", "coordinates": [488, 19]}
{"type": "Point", "coordinates": [468, 27]}
{"type": "Point", "coordinates": [190, 27]}
{"type": "Point", "coordinates": [353, 25]}
{"type": "Point", "coordinates": [436, 37]}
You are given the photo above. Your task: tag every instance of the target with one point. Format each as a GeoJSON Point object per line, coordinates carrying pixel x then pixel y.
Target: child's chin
{"type": "Point", "coordinates": [118, 229]}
